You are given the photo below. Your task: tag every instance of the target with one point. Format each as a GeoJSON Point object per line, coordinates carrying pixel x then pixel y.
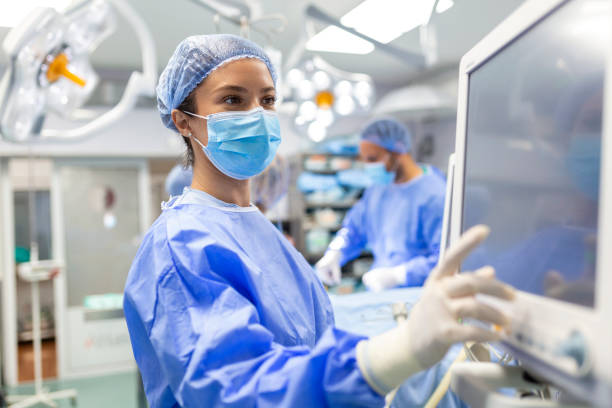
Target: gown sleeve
{"type": "Point", "coordinates": [209, 343]}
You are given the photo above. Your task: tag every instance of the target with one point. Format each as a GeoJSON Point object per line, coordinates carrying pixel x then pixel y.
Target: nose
{"type": "Point", "coordinates": [254, 103]}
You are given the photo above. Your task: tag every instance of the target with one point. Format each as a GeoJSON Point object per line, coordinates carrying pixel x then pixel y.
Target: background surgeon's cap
{"type": "Point", "coordinates": [193, 60]}
{"type": "Point", "coordinates": [388, 134]}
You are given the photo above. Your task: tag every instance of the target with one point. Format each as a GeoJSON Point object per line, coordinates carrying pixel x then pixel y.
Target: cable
{"type": "Point", "coordinates": [444, 385]}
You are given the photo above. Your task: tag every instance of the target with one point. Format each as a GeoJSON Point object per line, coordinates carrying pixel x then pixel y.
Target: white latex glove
{"type": "Point", "coordinates": [379, 279]}
{"type": "Point", "coordinates": [328, 268]}
{"type": "Point", "coordinates": [433, 325]}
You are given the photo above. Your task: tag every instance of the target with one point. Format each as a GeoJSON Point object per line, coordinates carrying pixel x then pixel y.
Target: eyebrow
{"type": "Point", "coordinates": [234, 88]}
{"type": "Point", "coordinates": [241, 89]}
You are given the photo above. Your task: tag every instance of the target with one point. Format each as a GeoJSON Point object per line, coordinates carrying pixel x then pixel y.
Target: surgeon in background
{"type": "Point", "coordinates": [399, 217]}
{"type": "Point", "coordinates": [270, 186]}
{"type": "Point", "coordinates": [178, 178]}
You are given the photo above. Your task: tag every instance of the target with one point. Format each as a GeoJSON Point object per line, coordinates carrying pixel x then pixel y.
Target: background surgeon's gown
{"type": "Point", "coordinates": [400, 223]}
{"type": "Point", "coordinates": [223, 311]}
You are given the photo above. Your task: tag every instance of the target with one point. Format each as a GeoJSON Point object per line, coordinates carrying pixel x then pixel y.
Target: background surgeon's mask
{"type": "Point", "coordinates": [241, 144]}
{"type": "Point", "coordinates": [378, 174]}
{"type": "Point", "coordinates": [583, 162]}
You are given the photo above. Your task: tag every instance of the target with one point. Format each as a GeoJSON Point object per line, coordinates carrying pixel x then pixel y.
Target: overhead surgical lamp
{"type": "Point", "coordinates": [324, 93]}
{"type": "Point", "coordinates": [50, 71]}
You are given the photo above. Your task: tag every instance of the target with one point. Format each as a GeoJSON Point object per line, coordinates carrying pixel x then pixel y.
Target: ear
{"type": "Point", "coordinates": [394, 156]}
{"type": "Point", "coordinates": [181, 121]}
{"type": "Point", "coordinates": [394, 161]}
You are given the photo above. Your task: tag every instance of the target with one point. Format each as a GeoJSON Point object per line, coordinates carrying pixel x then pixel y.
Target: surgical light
{"type": "Point", "coordinates": [306, 89]}
{"type": "Point", "coordinates": [308, 110]}
{"type": "Point", "coordinates": [334, 39]}
{"type": "Point", "coordinates": [49, 68]}
{"type": "Point", "coordinates": [444, 5]}
{"type": "Point", "coordinates": [325, 93]}
{"type": "Point", "coordinates": [385, 20]}
{"type": "Point", "coordinates": [316, 131]}
{"type": "Point", "coordinates": [345, 105]}
{"type": "Point", "coordinates": [45, 64]}
{"type": "Point", "coordinates": [325, 117]}
{"type": "Point", "coordinates": [321, 80]}
{"type": "Point", "coordinates": [294, 77]}
{"type": "Point", "coordinates": [309, 66]}
{"type": "Point", "coordinates": [324, 100]}
{"type": "Point", "coordinates": [343, 88]}
{"type": "Point", "coordinates": [363, 90]}
{"type": "Point", "coordinates": [364, 102]}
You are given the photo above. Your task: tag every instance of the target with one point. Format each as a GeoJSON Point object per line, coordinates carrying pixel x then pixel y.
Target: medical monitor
{"type": "Point", "coordinates": [533, 162]}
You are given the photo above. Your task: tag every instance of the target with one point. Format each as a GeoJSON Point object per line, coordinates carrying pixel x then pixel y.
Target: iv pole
{"type": "Point", "coordinates": [34, 272]}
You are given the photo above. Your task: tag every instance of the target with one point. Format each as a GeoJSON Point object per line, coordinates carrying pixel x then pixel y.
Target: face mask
{"type": "Point", "coordinates": [241, 144]}
{"type": "Point", "coordinates": [583, 162]}
{"type": "Point", "coordinates": [378, 174]}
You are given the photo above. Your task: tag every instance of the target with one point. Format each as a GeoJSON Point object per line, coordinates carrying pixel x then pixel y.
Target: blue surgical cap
{"type": "Point", "coordinates": [388, 134]}
{"type": "Point", "coordinates": [193, 60]}
{"type": "Point", "coordinates": [178, 178]}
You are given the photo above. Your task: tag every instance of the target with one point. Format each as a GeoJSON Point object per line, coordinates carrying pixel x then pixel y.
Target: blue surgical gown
{"type": "Point", "coordinates": [400, 223]}
{"type": "Point", "coordinates": [223, 311]}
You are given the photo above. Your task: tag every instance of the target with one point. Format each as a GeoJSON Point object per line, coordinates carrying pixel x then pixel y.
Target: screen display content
{"type": "Point", "coordinates": [533, 153]}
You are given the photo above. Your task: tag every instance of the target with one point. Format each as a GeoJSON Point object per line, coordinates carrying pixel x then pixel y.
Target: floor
{"type": "Point", "coordinates": [25, 361]}
{"type": "Point", "coordinates": [120, 390]}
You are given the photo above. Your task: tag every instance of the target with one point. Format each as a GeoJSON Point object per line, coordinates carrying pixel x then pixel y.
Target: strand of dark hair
{"type": "Point", "coordinates": [188, 105]}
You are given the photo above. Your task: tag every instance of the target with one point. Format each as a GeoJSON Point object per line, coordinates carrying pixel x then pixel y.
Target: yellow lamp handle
{"type": "Point", "coordinates": [59, 67]}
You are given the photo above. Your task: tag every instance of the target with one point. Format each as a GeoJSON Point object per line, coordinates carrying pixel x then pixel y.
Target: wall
{"type": "Point", "coordinates": [138, 134]}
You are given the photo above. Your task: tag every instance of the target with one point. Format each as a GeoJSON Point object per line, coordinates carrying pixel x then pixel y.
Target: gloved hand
{"type": "Point", "coordinates": [433, 325]}
{"type": "Point", "coordinates": [328, 268]}
{"type": "Point", "coordinates": [379, 279]}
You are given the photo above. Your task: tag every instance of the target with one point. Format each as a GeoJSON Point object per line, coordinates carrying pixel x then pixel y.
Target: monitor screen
{"type": "Point", "coordinates": [533, 148]}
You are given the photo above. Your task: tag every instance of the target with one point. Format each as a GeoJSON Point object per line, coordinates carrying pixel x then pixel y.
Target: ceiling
{"type": "Point", "coordinates": [457, 30]}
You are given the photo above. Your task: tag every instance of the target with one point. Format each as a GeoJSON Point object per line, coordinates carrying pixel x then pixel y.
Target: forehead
{"type": "Point", "coordinates": [370, 149]}
{"type": "Point", "coordinates": [243, 71]}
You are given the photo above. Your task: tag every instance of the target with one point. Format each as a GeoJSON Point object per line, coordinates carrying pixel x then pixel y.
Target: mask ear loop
{"type": "Point", "coordinates": [190, 135]}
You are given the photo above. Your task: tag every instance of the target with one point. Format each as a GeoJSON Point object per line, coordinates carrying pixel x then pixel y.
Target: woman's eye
{"type": "Point", "coordinates": [232, 100]}
{"type": "Point", "coordinates": [269, 100]}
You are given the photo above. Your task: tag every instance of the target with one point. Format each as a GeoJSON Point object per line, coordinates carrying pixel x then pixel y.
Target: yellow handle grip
{"type": "Point", "coordinates": [59, 68]}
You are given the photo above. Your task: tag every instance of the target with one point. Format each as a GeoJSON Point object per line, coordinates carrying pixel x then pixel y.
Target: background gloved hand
{"type": "Point", "coordinates": [328, 268]}
{"type": "Point", "coordinates": [379, 279]}
{"type": "Point", "coordinates": [433, 325]}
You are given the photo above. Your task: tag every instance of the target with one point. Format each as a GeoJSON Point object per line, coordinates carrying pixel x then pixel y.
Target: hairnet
{"type": "Point", "coordinates": [193, 60]}
{"type": "Point", "coordinates": [388, 134]}
{"type": "Point", "coordinates": [178, 178]}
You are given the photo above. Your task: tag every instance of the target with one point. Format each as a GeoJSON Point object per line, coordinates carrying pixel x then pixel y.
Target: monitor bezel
{"type": "Point", "coordinates": [556, 317]}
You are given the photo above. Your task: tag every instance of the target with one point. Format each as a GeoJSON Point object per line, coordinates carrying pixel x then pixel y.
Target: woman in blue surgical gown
{"type": "Point", "coordinates": [221, 309]}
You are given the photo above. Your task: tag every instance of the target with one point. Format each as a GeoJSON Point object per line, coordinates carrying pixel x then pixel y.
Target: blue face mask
{"type": "Point", "coordinates": [241, 144]}
{"type": "Point", "coordinates": [583, 162]}
{"type": "Point", "coordinates": [378, 174]}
